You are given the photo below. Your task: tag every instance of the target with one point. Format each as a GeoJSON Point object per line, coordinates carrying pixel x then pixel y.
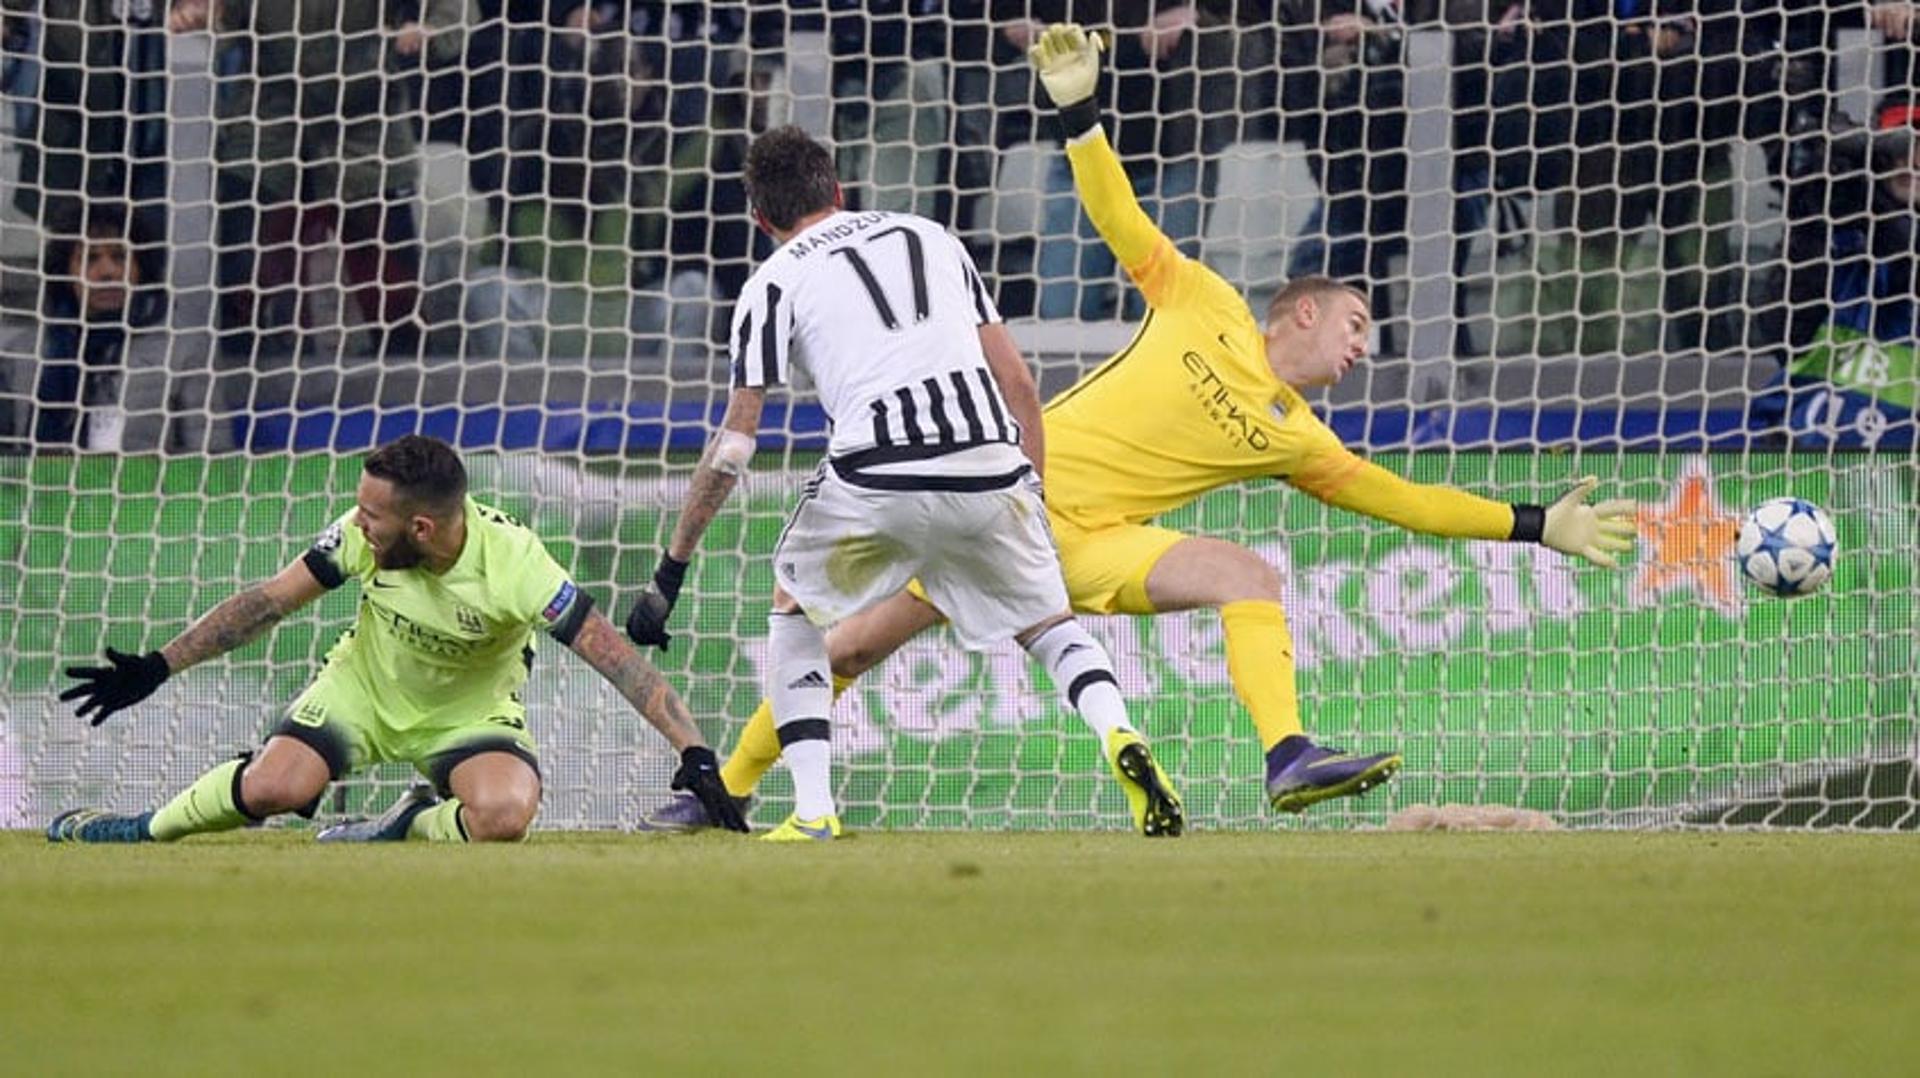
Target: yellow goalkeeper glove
{"type": "Point", "coordinates": [1067, 61]}
{"type": "Point", "coordinates": [1593, 532]}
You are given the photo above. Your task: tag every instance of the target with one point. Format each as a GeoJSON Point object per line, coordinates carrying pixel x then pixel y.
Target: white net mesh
{"type": "Point", "coordinates": [1600, 238]}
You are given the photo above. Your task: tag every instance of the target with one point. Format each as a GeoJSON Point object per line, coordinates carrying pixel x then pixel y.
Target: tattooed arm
{"type": "Point", "coordinates": [645, 688]}
{"type": "Point", "coordinates": [712, 483]}
{"type": "Point", "coordinates": [242, 618]}
{"type": "Point", "coordinates": [100, 691]}
{"type": "Point", "coordinates": [714, 478]}
{"type": "Point", "coordinates": [602, 646]}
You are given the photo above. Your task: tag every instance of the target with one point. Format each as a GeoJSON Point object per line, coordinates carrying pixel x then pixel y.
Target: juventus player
{"type": "Point", "coordinates": [1203, 398]}
{"type": "Point", "coordinates": [932, 470]}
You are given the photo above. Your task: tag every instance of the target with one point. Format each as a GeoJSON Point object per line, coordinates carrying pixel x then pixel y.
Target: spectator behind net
{"type": "Point", "coordinates": [1850, 372]}
{"type": "Point", "coordinates": [89, 281]}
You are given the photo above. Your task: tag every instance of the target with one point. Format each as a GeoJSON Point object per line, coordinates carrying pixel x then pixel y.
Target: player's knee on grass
{"type": "Point", "coordinates": [271, 795]}
{"type": "Point", "coordinates": [285, 776]}
{"type": "Point", "coordinates": [499, 796]}
{"type": "Point", "coordinates": [497, 814]}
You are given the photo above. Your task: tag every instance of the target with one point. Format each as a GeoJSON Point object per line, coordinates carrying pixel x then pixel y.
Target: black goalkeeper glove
{"type": "Point", "coordinates": [699, 775]}
{"type": "Point", "coordinates": [103, 690]}
{"type": "Point", "coordinates": [647, 621]}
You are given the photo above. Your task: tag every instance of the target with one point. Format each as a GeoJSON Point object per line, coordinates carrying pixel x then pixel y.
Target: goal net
{"type": "Point", "coordinates": [1673, 253]}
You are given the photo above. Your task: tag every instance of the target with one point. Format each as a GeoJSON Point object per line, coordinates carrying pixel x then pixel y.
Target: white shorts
{"type": "Point", "coordinates": [986, 559]}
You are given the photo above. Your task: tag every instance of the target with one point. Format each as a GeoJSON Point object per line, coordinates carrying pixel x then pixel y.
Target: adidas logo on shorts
{"type": "Point", "coordinates": [810, 680]}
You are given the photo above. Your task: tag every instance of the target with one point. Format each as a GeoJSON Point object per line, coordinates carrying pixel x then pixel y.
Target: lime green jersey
{"type": "Point", "coordinates": [434, 648]}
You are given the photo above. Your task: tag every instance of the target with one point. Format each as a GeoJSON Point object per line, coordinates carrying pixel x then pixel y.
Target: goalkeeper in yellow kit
{"type": "Point", "coordinates": [1202, 397]}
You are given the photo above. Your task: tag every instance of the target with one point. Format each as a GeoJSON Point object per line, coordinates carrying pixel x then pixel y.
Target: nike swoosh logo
{"type": "Point", "coordinates": [379, 583]}
{"type": "Point", "coordinates": [822, 831]}
{"type": "Point", "coordinates": [1343, 758]}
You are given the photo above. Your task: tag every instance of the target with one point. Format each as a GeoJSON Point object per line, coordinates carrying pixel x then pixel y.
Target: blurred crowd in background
{"type": "Point", "coordinates": [1610, 145]}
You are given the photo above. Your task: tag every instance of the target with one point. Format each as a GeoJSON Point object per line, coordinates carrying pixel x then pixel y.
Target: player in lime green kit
{"type": "Point", "coordinates": [1202, 398]}
{"type": "Point", "coordinates": [430, 673]}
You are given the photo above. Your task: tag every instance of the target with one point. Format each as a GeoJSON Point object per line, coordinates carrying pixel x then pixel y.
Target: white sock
{"type": "Point", "coordinates": [1083, 673]}
{"type": "Point", "coordinates": [801, 691]}
{"type": "Point", "coordinates": [808, 763]}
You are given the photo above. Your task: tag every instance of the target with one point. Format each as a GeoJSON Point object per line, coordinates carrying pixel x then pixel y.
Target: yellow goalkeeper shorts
{"type": "Point", "coordinates": [1105, 568]}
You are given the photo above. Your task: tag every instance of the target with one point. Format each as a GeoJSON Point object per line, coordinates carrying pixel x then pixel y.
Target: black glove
{"type": "Point", "coordinates": [647, 621]}
{"type": "Point", "coordinates": [104, 690]}
{"type": "Point", "coordinates": [699, 775]}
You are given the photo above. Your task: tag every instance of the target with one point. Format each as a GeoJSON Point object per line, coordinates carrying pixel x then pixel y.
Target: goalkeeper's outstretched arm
{"type": "Point", "coordinates": [1067, 61]}
{"type": "Point", "coordinates": [1596, 533]}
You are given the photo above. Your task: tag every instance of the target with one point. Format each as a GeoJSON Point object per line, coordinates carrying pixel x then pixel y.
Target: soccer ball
{"type": "Point", "coordinates": [1787, 547]}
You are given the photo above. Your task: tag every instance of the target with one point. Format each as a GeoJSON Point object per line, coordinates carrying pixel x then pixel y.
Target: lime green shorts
{"type": "Point", "coordinates": [336, 717]}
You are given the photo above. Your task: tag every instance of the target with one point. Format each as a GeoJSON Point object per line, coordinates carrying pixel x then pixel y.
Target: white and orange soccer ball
{"type": "Point", "coordinates": [1787, 547]}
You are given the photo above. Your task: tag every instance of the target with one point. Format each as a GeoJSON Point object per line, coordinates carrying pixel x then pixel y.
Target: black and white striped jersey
{"type": "Point", "coordinates": [883, 312]}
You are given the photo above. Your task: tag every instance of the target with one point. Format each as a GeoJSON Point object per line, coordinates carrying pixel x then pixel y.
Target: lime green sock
{"type": "Point", "coordinates": [441, 823]}
{"type": "Point", "coordinates": [207, 805]}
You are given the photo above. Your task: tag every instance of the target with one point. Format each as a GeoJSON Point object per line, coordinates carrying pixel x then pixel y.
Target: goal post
{"type": "Point", "coordinates": [571, 345]}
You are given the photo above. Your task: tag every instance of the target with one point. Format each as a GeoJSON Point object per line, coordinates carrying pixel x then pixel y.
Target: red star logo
{"type": "Point", "coordinates": [1688, 542]}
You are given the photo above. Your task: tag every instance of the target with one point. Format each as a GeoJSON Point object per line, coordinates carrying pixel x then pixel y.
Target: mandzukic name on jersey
{"type": "Point", "coordinates": [883, 312]}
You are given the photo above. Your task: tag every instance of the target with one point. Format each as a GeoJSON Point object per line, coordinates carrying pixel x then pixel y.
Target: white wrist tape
{"type": "Point", "coordinates": [731, 452]}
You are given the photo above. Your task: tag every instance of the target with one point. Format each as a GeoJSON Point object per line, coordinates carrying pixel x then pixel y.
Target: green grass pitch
{"type": "Point", "coordinates": [1304, 953]}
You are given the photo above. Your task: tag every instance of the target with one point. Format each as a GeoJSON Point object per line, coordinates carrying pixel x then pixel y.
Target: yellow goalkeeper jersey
{"type": "Point", "coordinates": [1192, 404]}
